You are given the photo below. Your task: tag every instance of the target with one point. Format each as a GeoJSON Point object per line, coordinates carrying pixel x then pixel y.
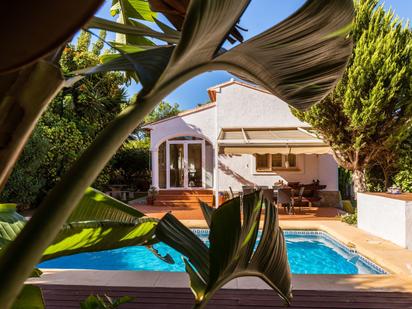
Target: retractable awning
{"type": "Point", "coordinates": [270, 141]}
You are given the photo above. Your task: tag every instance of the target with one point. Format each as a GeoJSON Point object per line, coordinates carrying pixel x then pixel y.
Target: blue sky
{"type": "Point", "coordinates": [260, 15]}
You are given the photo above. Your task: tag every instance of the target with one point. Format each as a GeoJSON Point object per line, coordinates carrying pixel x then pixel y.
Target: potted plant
{"type": "Point", "coordinates": [151, 195]}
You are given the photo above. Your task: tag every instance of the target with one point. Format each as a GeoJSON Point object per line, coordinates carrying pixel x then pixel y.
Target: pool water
{"type": "Point", "coordinates": [309, 252]}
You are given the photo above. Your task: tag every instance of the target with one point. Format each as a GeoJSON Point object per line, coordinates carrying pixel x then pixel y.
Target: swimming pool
{"type": "Point", "coordinates": [309, 252]}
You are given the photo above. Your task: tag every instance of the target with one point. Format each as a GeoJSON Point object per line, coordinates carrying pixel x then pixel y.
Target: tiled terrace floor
{"type": "Point", "coordinates": [194, 212]}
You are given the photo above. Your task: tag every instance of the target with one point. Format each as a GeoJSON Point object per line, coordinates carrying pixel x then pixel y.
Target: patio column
{"type": "Point", "coordinates": [216, 175]}
{"type": "Point", "coordinates": [155, 168]}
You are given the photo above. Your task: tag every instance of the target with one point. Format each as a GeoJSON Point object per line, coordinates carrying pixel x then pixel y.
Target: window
{"type": "Point", "coordinates": [273, 162]}
{"type": "Point", "coordinates": [277, 160]}
{"type": "Point", "coordinates": [262, 162]}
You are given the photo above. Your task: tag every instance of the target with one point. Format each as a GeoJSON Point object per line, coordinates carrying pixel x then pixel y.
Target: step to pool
{"type": "Point", "coordinates": [183, 198]}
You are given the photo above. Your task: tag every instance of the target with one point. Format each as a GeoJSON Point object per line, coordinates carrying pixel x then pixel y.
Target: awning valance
{"type": "Point", "coordinates": [274, 150]}
{"type": "Point", "coordinates": [270, 141]}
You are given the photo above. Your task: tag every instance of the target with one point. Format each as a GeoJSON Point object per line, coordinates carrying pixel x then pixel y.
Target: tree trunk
{"type": "Point", "coordinates": [359, 182]}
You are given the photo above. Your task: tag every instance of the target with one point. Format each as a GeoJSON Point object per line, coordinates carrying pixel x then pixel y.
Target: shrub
{"type": "Point", "coordinates": [351, 219]}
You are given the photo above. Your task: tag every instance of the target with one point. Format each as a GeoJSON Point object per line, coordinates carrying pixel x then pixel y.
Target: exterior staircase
{"type": "Point", "coordinates": [183, 198]}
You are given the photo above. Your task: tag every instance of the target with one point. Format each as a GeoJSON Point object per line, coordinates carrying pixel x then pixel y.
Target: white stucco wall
{"type": "Point", "coordinates": [239, 106]}
{"type": "Point", "coordinates": [201, 124]}
{"type": "Point", "coordinates": [328, 172]}
{"type": "Point", "coordinates": [388, 218]}
{"type": "Point", "coordinates": [239, 170]}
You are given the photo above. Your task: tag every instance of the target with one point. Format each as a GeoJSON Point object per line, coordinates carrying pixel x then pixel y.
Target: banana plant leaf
{"type": "Point", "coordinates": [32, 29]}
{"type": "Point", "coordinates": [132, 29]}
{"type": "Point", "coordinates": [296, 76]}
{"type": "Point", "coordinates": [98, 223]}
{"type": "Point", "coordinates": [235, 250]}
{"type": "Point", "coordinates": [30, 297]}
{"type": "Point", "coordinates": [299, 60]}
{"type": "Point", "coordinates": [11, 223]}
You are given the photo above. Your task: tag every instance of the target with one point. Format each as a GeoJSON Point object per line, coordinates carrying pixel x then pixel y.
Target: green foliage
{"type": "Point", "coordinates": [132, 164]}
{"type": "Point", "coordinates": [72, 121]}
{"type": "Point", "coordinates": [97, 302]}
{"type": "Point", "coordinates": [345, 183]}
{"type": "Point", "coordinates": [369, 111]}
{"type": "Point", "coordinates": [162, 111]}
{"type": "Point", "coordinates": [25, 182]}
{"type": "Point", "coordinates": [99, 44]}
{"type": "Point", "coordinates": [348, 207]}
{"type": "Point", "coordinates": [403, 178]}
{"type": "Point", "coordinates": [351, 219]}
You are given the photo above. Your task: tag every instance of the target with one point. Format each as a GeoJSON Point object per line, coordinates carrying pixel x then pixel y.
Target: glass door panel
{"type": "Point", "coordinates": [177, 170]}
{"type": "Point", "coordinates": [194, 165]}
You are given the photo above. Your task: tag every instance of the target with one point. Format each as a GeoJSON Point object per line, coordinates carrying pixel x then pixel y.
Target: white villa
{"type": "Point", "coordinates": [244, 137]}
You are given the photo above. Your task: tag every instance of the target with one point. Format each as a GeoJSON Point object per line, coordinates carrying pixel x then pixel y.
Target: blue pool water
{"type": "Point", "coordinates": [309, 252]}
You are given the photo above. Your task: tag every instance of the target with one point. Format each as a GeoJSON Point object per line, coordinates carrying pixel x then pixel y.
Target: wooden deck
{"type": "Point", "coordinates": [194, 212]}
{"type": "Point", "coordinates": [69, 296]}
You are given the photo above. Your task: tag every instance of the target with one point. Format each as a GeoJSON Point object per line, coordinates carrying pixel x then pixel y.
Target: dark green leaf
{"type": "Point", "coordinates": [300, 59]}
{"type": "Point", "coordinates": [11, 223]}
{"type": "Point", "coordinates": [100, 223]}
{"type": "Point", "coordinates": [232, 243]}
{"type": "Point", "coordinates": [207, 212]}
{"type": "Point", "coordinates": [148, 64]}
{"type": "Point", "coordinates": [23, 46]}
{"type": "Point", "coordinates": [29, 298]}
{"type": "Point", "coordinates": [134, 29]}
{"type": "Point", "coordinates": [175, 234]}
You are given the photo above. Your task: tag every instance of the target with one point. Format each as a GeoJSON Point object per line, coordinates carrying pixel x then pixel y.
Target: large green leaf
{"type": "Point", "coordinates": [148, 64]}
{"type": "Point", "coordinates": [33, 29]}
{"type": "Point", "coordinates": [98, 223]}
{"type": "Point", "coordinates": [101, 222]}
{"type": "Point", "coordinates": [231, 253]}
{"type": "Point", "coordinates": [11, 223]}
{"type": "Point", "coordinates": [138, 9]}
{"type": "Point", "coordinates": [134, 28]}
{"type": "Point", "coordinates": [301, 59]}
{"type": "Point", "coordinates": [30, 297]}
{"type": "Point", "coordinates": [90, 236]}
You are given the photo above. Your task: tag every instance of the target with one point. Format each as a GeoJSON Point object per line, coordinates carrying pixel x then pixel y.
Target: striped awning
{"type": "Point", "coordinates": [270, 141]}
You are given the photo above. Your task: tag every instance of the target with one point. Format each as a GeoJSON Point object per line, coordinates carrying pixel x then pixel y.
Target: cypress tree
{"type": "Point", "coordinates": [369, 113]}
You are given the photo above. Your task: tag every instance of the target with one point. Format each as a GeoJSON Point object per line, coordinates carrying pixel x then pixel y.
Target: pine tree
{"type": "Point", "coordinates": [370, 110]}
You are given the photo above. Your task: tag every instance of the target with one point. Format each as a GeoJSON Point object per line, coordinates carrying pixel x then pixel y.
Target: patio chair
{"type": "Point", "coordinates": [300, 201]}
{"type": "Point", "coordinates": [285, 199]}
{"type": "Point", "coordinates": [247, 189]}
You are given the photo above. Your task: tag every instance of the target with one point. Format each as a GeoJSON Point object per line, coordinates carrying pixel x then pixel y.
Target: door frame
{"type": "Point", "coordinates": [185, 144]}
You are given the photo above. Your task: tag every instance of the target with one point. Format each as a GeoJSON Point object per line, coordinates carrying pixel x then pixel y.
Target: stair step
{"type": "Point", "coordinates": [184, 197]}
{"type": "Point", "coordinates": [185, 192]}
{"type": "Point", "coordinates": [178, 203]}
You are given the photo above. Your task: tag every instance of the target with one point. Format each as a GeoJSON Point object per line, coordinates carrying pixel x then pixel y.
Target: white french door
{"type": "Point", "coordinates": [185, 164]}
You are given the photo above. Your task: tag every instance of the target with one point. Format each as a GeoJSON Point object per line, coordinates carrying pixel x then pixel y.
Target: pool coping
{"type": "Point", "coordinates": [328, 237]}
{"type": "Point", "coordinates": [387, 255]}
{"type": "Point", "coordinates": [124, 278]}
{"type": "Point", "coordinates": [392, 258]}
